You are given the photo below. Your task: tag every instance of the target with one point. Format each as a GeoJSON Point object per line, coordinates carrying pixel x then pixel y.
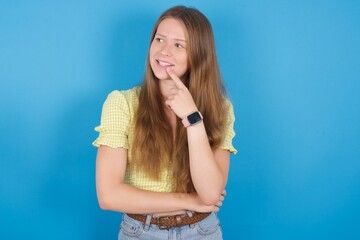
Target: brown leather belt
{"type": "Point", "coordinates": [166, 222]}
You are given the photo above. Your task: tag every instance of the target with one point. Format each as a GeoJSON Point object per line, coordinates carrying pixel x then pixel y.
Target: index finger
{"type": "Point", "coordinates": [179, 84]}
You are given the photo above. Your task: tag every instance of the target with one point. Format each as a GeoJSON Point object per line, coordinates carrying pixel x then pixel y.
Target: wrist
{"type": "Point", "coordinates": [189, 200]}
{"type": "Point", "coordinates": [184, 201]}
{"type": "Point", "coordinates": [192, 119]}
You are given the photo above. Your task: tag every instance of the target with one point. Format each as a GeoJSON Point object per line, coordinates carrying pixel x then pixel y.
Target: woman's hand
{"type": "Point", "coordinates": [180, 99]}
{"type": "Point", "coordinates": [198, 206]}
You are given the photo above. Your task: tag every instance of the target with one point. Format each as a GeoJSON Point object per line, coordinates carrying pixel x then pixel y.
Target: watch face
{"type": "Point", "coordinates": [194, 118]}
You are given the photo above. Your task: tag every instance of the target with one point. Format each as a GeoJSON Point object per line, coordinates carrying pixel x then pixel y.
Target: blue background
{"type": "Point", "coordinates": [292, 70]}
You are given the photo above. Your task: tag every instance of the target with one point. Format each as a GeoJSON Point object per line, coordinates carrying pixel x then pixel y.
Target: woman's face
{"type": "Point", "coordinates": [168, 49]}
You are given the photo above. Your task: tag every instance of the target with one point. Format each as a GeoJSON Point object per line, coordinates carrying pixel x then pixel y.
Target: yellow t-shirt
{"type": "Point", "coordinates": [116, 130]}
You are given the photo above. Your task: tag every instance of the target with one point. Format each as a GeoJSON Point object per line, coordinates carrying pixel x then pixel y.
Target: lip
{"type": "Point", "coordinates": [163, 64]}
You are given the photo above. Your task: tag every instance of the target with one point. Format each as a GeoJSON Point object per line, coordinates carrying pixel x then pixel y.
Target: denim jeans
{"type": "Point", "coordinates": [208, 228]}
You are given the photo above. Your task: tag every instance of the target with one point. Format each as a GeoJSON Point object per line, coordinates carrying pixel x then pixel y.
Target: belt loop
{"type": "Point", "coordinates": [147, 222]}
{"type": "Point", "coordinates": [190, 214]}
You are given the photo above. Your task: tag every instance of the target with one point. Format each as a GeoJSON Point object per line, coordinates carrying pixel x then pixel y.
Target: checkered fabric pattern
{"type": "Point", "coordinates": [116, 130]}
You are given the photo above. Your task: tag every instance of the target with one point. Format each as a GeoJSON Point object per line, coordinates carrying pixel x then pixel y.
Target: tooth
{"type": "Point", "coordinates": [164, 63]}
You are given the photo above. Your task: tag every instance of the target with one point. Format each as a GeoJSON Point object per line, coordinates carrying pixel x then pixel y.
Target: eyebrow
{"type": "Point", "coordinates": [177, 39]}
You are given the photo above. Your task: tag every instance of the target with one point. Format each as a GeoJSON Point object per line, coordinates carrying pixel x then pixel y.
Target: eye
{"type": "Point", "coordinates": [160, 40]}
{"type": "Point", "coordinates": [178, 45]}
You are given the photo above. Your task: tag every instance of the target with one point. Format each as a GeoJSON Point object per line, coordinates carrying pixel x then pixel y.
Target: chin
{"type": "Point", "coordinates": [161, 76]}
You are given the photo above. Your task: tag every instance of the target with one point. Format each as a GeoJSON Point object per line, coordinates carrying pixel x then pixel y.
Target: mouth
{"type": "Point", "coordinates": [164, 64]}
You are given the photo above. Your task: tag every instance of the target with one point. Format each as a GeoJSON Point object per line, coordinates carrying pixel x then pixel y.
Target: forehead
{"type": "Point", "coordinates": [171, 28]}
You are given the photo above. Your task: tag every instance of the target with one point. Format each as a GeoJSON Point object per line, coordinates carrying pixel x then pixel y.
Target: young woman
{"type": "Point", "coordinates": [164, 146]}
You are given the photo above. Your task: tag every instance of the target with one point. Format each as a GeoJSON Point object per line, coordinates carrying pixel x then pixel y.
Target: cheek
{"type": "Point", "coordinates": [152, 51]}
{"type": "Point", "coordinates": [184, 61]}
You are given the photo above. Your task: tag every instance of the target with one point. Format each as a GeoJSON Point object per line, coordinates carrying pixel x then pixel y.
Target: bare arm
{"type": "Point", "coordinates": [114, 194]}
{"type": "Point", "coordinates": [209, 170]}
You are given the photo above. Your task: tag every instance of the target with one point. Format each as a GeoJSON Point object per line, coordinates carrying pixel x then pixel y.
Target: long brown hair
{"type": "Point", "coordinates": [153, 147]}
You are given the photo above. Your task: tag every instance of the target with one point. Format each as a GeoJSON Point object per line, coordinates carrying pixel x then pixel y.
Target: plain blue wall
{"type": "Point", "coordinates": [292, 69]}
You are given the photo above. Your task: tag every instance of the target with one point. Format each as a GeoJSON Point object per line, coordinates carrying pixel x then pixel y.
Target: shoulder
{"type": "Point", "coordinates": [227, 102]}
{"type": "Point", "coordinates": [228, 106]}
{"type": "Point", "coordinates": [128, 97]}
{"type": "Point", "coordinates": [129, 94]}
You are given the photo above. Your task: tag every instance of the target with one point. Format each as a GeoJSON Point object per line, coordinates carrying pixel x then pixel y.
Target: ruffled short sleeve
{"type": "Point", "coordinates": [115, 122]}
{"type": "Point", "coordinates": [229, 132]}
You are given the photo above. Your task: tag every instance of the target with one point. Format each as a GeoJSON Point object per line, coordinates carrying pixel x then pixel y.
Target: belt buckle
{"type": "Point", "coordinates": [161, 227]}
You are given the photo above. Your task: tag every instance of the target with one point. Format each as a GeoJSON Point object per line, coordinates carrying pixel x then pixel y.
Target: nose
{"type": "Point", "coordinates": [165, 50]}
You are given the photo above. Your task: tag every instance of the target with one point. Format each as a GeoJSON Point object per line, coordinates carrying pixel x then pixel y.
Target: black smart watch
{"type": "Point", "coordinates": [192, 119]}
